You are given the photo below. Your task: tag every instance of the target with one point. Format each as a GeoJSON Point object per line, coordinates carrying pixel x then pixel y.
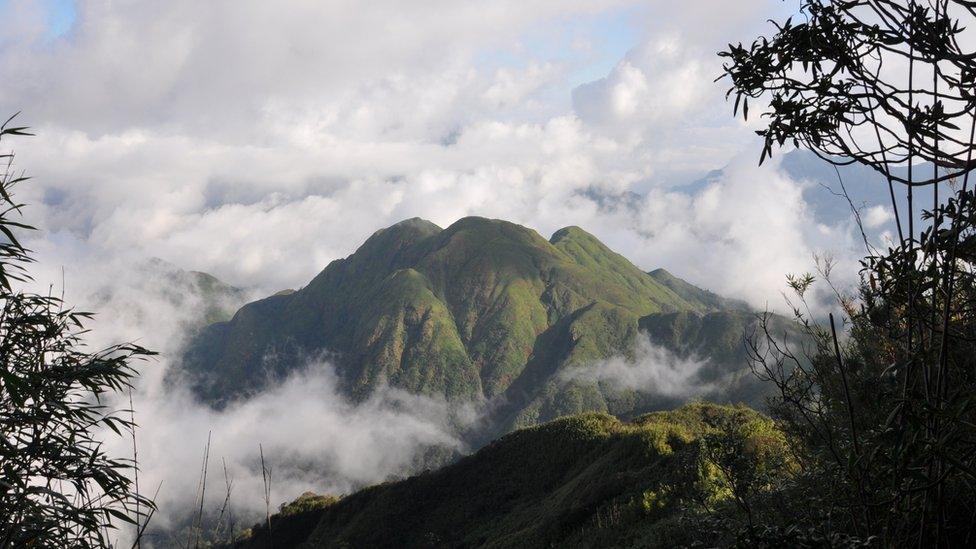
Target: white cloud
{"type": "Point", "coordinates": [512, 87]}
{"type": "Point", "coordinates": [260, 141]}
{"type": "Point", "coordinates": [876, 216]}
{"type": "Point", "coordinates": [652, 369]}
{"type": "Point", "coordinates": [657, 85]}
{"type": "Point", "coordinates": [312, 437]}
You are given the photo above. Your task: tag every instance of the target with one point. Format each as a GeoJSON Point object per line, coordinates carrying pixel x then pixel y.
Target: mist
{"type": "Point", "coordinates": [651, 369]}
{"type": "Point", "coordinates": [312, 437]}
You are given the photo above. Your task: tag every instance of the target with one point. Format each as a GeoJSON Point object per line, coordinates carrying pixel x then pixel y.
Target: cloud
{"type": "Point", "coordinates": [266, 142]}
{"type": "Point", "coordinates": [312, 437]}
{"type": "Point", "coordinates": [651, 369]}
{"type": "Point", "coordinates": [877, 216]}
{"type": "Point", "coordinates": [739, 235]}
{"type": "Point", "coordinates": [260, 141]}
{"type": "Point", "coordinates": [217, 68]}
{"type": "Point", "coordinates": [657, 84]}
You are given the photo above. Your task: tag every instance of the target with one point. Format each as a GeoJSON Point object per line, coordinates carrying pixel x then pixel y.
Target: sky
{"type": "Point", "coordinates": [258, 141]}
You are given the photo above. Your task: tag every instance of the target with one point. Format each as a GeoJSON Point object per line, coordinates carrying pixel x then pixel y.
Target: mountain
{"type": "Point", "coordinates": [200, 299]}
{"type": "Point", "coordinates": [484, 310]}
{"type": "Point", "coordinates": [581, 481]}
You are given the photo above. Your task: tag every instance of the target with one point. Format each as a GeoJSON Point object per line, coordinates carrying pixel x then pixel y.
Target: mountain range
{"type": "Point", "coordinates": [490, 312]}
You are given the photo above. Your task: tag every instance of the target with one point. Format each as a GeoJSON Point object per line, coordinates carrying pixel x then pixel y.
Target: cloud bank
{"type": "Point", "coordinates": [651, 369]}
{"type": "Point", "coordinates": [259, 143]}
{"type": "Point", "coordinates": [313, 437]}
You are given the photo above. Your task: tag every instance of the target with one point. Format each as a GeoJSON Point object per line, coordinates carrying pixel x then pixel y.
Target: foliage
{"type": "Point", "coordinates": [309, 501]}
{"type": "Point", "coordinates": [841, 81]}
{"type": "Point", "coordinates": [58, 486]}
{"type": "Point", "coordinates": [580, 481]}
{"type": "Point", "coordinates": [751, 458]}
{"type": "Point", "coordinates": [882, 416]}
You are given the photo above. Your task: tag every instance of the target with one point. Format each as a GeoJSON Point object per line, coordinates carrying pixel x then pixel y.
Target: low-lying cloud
{"type": "Point", "coordinates": [651, 369]}
{"type": "Point", "coordinates": [313, 438]}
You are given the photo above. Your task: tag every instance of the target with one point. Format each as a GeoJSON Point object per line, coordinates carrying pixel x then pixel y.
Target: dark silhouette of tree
{"type": "Point", "coordinates": [58, 486]}
{"type": "Point", "coordinates": [885, 417]}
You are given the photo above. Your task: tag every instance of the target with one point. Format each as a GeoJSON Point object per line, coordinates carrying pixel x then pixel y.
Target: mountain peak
{"type": "Point", "coordinates": [461, 312]}
{"type": "Point", "coordinates": [415, 223]}
{"type": "Point", "coordinates": [386, 245]}
{"type": "Point", "coordinates": [571, 231]}
{"type": "Point", "coordinates": [662, 274]}
{"type": "Point", "coordinates": [695, 295]}
{"type": "Point", "coordinates": [415, 226]}
{"type": "Point", "coordinates": [485, 225]}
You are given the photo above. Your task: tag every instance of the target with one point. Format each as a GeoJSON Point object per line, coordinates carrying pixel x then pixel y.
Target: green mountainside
{"type": "Point", "coordinates": [484, 310]}
{"type": "Point", "coordinates": [582, 481]}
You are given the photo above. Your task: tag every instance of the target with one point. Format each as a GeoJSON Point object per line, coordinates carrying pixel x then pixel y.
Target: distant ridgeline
{"type": "Point", "coordinates": [482, 310]}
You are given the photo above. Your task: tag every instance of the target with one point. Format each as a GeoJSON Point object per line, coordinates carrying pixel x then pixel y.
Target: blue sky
{"type": "Point", "coordinates": [59, 15]}
{"type": "Point", "coordinates": [587, 47]}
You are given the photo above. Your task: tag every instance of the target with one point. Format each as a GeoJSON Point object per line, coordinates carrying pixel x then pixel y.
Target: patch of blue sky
{"type": "Point", "coordinates": [59, 15]}
{"type": "Point", "coordinates": [587, 46]}
{"type": "Point", "coordinates": [608, 37]}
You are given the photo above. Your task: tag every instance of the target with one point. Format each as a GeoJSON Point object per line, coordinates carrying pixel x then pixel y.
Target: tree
{"type": "Point", "coordinates": [885, 416]}
{"type": "Point", "coordinates": [58, 486]}
{"type": "Point", "coordinates": [751, 458]}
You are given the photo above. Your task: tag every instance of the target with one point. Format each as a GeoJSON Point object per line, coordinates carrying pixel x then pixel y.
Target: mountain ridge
{"type": "Point", "coordinates": [483, 310]}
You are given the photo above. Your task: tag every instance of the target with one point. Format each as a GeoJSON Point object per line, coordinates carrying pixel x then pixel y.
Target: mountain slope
{"type": "Point", "coordinates": [489, 311]}
{"type": "Point", "coordinates": [454, 312]}
{"type": "Point", "coordinates": [581, 481]}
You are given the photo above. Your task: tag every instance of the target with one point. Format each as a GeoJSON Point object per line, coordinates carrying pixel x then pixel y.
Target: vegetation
{"type": "Point", "coordinates": [882, 417]}
{"type": "Point", "coordinates": [58, 486]}
{"type": "Point", "coordinates": [580, 481]}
